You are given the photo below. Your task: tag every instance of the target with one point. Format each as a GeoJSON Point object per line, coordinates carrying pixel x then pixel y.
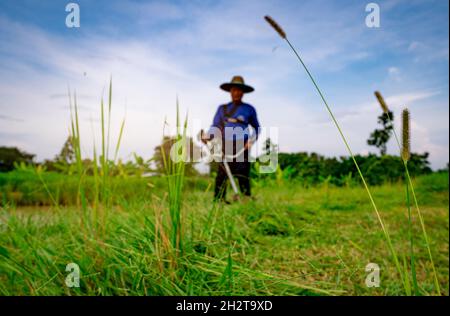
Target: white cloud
{"type": "Point", "coordinates": [191, 62]}
{"type": "Point", "coordinates": [394, 73]}
{"type": "Point", "coordinates": [401, 100]}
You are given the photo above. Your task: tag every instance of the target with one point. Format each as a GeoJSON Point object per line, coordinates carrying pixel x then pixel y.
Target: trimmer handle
{"type": "Point", "coordinates": [200, 137]}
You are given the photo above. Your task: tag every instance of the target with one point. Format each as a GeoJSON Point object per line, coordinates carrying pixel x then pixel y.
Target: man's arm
{"type": "Point", "coordinates": [253, 121]}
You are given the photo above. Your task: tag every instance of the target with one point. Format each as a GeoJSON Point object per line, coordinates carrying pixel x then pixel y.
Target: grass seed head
{"type": "Point", "coordinates": [405, 135]}
{"type": "Point", "coordinates": [275, 26]}
{"type": "Point", "coordinates": [381, 101]}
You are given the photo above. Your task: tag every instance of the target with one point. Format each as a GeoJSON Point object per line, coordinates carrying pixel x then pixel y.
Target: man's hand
{"type": "Point", "coordinates": [204, 137]}
{"type": "Point", "coordinates": [248, 144]}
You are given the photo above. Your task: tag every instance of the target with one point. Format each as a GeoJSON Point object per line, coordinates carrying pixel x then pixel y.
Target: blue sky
{"type": "Point", "coordinates": [156, 50]}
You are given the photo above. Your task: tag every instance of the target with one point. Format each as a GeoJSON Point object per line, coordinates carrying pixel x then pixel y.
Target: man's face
{"type": "Point", "coordinates": [236, 94]}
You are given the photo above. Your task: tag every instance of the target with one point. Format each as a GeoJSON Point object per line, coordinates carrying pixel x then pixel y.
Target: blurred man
{"type": "Point", "coordinates": [233, 120]}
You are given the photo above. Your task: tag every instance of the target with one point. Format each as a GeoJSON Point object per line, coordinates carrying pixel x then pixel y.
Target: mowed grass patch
{"type": "Point", "coordinates": [286, 242]}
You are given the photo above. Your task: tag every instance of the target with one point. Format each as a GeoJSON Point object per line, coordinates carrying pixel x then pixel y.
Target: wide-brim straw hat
{"type": "Point", "coordinates": [238, 82]}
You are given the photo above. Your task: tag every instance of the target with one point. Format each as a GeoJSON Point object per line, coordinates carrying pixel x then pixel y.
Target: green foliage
{"type": "Point", "coordinates": [65, 161]}
{"type": "Point", "coordinates": [24, 187]}
{"type": "Point", "coordinates": [164, 150]}
{"type": "Point", "coordinates": [380, 137]}
{"type": "Point", "coordinates": [174, 154]}
{"type": "Point", "coordinates": [286, 242]}
{"type": "Point", "coordinates": [312, 169]}
{"type": "Point", "coordinates": [12, 155]}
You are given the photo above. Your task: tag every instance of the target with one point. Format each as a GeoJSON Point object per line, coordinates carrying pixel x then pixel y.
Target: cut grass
{"type": "Point", "coordinates": [324, 253]}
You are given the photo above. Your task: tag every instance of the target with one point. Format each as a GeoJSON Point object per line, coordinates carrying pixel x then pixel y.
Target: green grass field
{"type": "Point", "coordinates": [290, 240]}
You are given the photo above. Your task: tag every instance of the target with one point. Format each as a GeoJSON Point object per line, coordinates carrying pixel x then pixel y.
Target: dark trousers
{"type": "Point", "coordinates": [241, 174]}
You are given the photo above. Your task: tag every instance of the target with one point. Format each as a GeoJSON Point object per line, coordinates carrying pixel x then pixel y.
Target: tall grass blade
{"type": "Point", "coordinates": [407, 281]}
{"type": "Point", "coordinates": [116, 152]}
{"type": "Point", "coordinates": [411, 242]}
{"type": "Point", "coordinates": [227, 276]}
{"type": "Point", "coordinates": [174, 167]}
{"type": "Point", "coordinates": [109, 117]}
{"type": "Point", "coordinates": [386, 234]}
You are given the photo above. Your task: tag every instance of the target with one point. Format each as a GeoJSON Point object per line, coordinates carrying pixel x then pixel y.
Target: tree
{"type": "Point", "coordinates": [11, 155]}
{"type": "Point", "coordinates": [380, 137]}
{"type": "Point", "coordinates": [166, 145]}
{"type": "Point", "coordinates": [270, 147]}
{"type": "Point", "coordinates": [67, 153]}
{"type": "Point", "coordinates": [64, 161]}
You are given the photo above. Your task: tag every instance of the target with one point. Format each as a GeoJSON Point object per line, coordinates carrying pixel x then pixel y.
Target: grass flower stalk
{"type": "Point", "coordinates": [405, 157]}
{"type": "Point", "coordinates": [280, 31]}
{"type": "Point", "coordinates": [411, 187]}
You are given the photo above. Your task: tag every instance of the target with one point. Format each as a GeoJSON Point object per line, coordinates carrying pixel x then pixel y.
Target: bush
{"type": "Point", "coordinates": [11, 155]}
{"type": "Point", "coordinates": [313, 168]}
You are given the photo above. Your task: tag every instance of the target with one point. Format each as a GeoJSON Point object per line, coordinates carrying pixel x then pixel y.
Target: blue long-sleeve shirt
{"type": "Point", "coordinates": [243, 117]}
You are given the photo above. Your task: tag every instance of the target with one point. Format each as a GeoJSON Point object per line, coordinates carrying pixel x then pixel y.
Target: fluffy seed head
{"type": "Point", "coordinates": [275, 26]}
{"type": "Point", "coordinates": [405, 135]}
{"type": "Point", "coordinates": [381, 101]}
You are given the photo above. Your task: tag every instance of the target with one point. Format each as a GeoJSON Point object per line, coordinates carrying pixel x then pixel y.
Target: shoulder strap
{"type": "Point", "coordinates": [227, 115]}
{"type": "Point", "coordinates": [231, 113]}
{"type": "Point", "coordinates": [225, 112]}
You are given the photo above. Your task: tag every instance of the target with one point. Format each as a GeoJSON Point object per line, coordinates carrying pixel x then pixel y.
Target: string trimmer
{"type": "Point", "coordinates": [215, 150]}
